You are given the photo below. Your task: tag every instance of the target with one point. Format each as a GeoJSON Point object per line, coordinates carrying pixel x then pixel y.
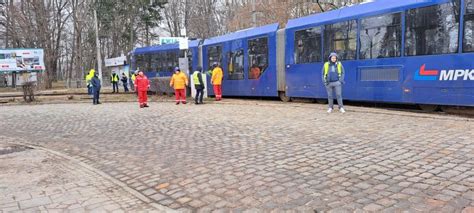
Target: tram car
{"type": "Point", "coordinates": [409, 52]}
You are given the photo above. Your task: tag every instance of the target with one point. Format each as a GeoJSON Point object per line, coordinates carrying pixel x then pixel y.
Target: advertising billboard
{"type": "Point", "coordinates": [21, 60]}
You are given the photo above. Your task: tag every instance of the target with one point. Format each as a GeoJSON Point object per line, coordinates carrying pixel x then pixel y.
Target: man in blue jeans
{"type": "Point", "coordinates": [333, 78]}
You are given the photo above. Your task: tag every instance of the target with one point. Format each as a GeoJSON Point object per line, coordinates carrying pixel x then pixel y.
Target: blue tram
{"type": "Point", "coordinates": [407, 51]}
{"type": "Point", "coordinates": [410, 51]}
{"type": "Point", "coordinates": [159, 61]}
{"type": "Point", "coordinates": [248, 60]}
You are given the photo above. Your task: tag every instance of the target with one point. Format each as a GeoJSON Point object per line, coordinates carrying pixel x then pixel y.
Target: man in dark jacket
{"type": "Point", "coordinates": [95, 82]}
{"type": "Point", "coordinates": [199, 85]}
{"type": "Point", "coordinates": [124, 82]}
{"type": "Point", "coordinates": [333, 78]}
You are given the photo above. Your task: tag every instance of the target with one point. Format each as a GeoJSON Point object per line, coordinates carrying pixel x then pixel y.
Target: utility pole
{"type": "Point", "coordinates": [254, 14]}
{"type": "Point", "coordinates": [99, 61]}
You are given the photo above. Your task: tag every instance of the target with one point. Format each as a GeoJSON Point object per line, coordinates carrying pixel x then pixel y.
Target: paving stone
{"type": "Point", "coordinates": [158, 197]}
{"type": "Point", "coordinates": [35, 202]}
{"type": "Point", "coordinates": [373, 207]}
{"type": "Point", "coordinates": [458, 188]}
{"type": "Point", "coordinates": [149, 192]}
{"type": "Point", "coordinates": [196, 203]}
{"type": "Point", "coordinates": [178, 194]}
{"type": "Point", "coordinates": [363, 185]}
{"type": "Point", "coordinates": [277, 189]}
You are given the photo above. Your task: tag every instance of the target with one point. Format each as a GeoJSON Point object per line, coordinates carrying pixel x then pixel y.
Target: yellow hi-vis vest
{"type": "Point", "coordinates": [115, 78]}
{"type": "Point", "coordinates": [196, 78]}
{"type": "Point", "coordinates": [90, 76]}
{"type": "Point", "coordinates": [326, 69]}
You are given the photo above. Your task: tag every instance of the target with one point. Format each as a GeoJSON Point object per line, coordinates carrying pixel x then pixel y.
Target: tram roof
{"type": "Point", "coordinates": [246, 33]}
{"type": "Point", "coordinates": [364, 9]}
{"type": "Point", "coordinates": [164, 47]}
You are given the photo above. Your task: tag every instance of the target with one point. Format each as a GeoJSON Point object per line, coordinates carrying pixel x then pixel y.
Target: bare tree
{"type": "Point", "coordinates": [65, 29]}
{"type": "Point", "coordinates": [277, 11]}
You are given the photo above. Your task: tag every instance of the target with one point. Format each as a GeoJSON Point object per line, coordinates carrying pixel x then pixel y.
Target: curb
{"type": "Point", "coordinates": [104, 175]}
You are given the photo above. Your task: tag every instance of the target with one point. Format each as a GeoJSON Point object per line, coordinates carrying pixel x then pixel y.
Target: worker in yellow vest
{"type": "Point", "coordinates": [132, 82]}
{"type": "Point", "coordinates": [88, 81]}
{"type": "Point", "coordinates": [114, 79]}
{"type": "Point", "coordinates": [333, 78]}
{"type": "Point", "coordinates": [199, 85]}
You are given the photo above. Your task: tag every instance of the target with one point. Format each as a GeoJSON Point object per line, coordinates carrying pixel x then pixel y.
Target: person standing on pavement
{"type": "Point", "coordinates": [199, 85]}
{"type": "Point", "coordinates": [333, 78]}
{"type": "Point", "coordinates": [132, 82]}
{"type": "Point", "coordinates": [216, 80]}
{"type": "Point", "coordinates": [114, 79]}
{"type": "Point", "coordinates": [142, 84]}
{"type": "Point", "coordinates": [89, 77]}
{"type": "Point", "coordinates": [5, 80]}
{"type": "Point", "coordinates": [124, 82]}
{"type": "Point", "coordinates": [95, 83]}
{"type": "Point", "coordinates": [179, 82]}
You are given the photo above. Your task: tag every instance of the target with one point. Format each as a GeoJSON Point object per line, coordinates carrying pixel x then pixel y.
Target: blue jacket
{"type": "Point", "coordinates": [95, 82]}
{"type": "Point", "coordinates": [333, 75]}
{"type": "Point", "coordinates": [333, 72]}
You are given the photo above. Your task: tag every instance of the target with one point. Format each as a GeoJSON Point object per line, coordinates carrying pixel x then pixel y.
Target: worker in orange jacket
{"type": "Point", "coordinates": [216, 80]}
{"type": "Point", "coordinates": [141, 86]}
{"type": "Point", "coordinates": [179, 82]}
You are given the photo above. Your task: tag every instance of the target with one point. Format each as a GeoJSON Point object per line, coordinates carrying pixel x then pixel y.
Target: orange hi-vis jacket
{"type": "Point", "coordinates": [179, 81]}
{"type": "Point", "coordinates": [217, 76]}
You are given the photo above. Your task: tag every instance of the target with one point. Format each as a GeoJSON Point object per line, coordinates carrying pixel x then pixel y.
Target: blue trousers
{"type": "Point", "coordinates": [125, 87]}
{"type": "Point", "coordinates": [95, 99]}
{"type": "Point", "coordinates": [337, 88]}
{"type": "Point", "coordinates": [115, 85]}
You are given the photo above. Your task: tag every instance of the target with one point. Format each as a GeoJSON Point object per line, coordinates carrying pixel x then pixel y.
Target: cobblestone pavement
{"type": "Point", "coordinates": [263, 156]}
{"type": "Point", "coordinates": [37, 181]}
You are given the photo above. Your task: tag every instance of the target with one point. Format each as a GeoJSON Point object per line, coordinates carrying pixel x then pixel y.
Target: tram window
{"type": "Point", "coordinates": [175, 59]}
{"type": "Point", "coordinates": [341, 38]}
{"type": "Point", "coordinates": [235, 65]}
{"type": "Point", "coordinates": [308, 45]}
{"type": "Point", "coordinates": [190, 60]}
{"type": "Point", "coordinates": [258, 57]}
{"type": "Point", "coordinates": [165, 62]}
{"type": "Point", "coordinates": [432, 30]}
{"type": "Point", "coordinates": [168, 63]}
{"type": "Point", "coordinates": [139, 61]}
{"type": "Point", "coordinates": [468, 42]}
{"type": "Point", "coordinates": [159, 62]}
{"type": "Point", "coordinates": [154, 61]}
{"type": "Point", "coordinates": [214, 55]}
{"type": "Point", "coordinates": [147, 64]}
{"type": "Point", "coordinates": [380, 37]}
{"type": "Point", "coordinates": [172, 61]}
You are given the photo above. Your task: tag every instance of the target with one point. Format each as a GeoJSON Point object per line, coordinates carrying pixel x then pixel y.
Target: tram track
{"type": "Point", "coordinates": [462, 112]}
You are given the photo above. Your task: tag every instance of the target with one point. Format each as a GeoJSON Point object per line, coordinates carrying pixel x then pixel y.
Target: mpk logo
{"type": "Point", "coordinates": [423, 74]}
